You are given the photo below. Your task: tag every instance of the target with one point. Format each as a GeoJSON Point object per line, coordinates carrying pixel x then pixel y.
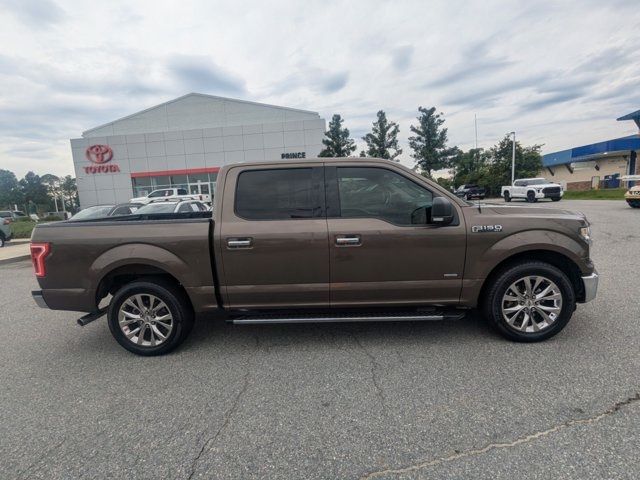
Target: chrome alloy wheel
{"type": "Point", "coordinates": [532, 304]}
{"type": "Point", "coordinates": [145, 320]}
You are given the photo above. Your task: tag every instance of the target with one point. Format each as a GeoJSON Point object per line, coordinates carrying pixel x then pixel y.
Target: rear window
{"type": "Point", "coordinates": [278, 194]}
{"type": "Point", "coordinates": [5, 214]}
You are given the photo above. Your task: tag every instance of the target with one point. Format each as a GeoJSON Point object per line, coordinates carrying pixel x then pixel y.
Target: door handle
{"type": "Point", "coordinates": [348, 240]}
{"type": "Point", "coordinates": [239, 242]}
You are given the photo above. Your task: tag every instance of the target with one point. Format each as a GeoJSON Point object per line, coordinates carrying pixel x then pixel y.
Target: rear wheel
{"type": "Point", "coordinates": [531, 196]}
{"type": "Point", "coordinates": [530, 302]}
{"type": "Point", "coordinates": [634, 203]}
{"type": "Point", "coordinates": [150, 317]}
{"type": "Point", "coordinates": [507, 197]}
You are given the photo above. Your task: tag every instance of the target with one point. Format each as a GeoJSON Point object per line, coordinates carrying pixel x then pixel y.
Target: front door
{"type": "Point", "coordinates": [273, 237]}
{"type": "Point", "coordinates": [383, 249]}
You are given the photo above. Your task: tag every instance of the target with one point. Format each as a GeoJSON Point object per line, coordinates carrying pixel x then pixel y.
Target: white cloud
{"type": "Point", "coordinates": [558, 73]}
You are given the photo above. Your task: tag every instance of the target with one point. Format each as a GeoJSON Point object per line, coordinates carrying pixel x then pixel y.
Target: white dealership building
{"type": "Point", "coordinates": [184, 142]}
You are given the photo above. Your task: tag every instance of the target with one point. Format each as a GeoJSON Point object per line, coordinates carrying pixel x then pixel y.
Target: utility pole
{"type": "Point", "coordinates": [513, 159]}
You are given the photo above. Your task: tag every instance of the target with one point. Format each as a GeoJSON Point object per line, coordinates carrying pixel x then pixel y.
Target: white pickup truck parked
{"type": "Point", "coordinates": [169, 194]}
{"type": "Point", "coordinates": [532, 189]}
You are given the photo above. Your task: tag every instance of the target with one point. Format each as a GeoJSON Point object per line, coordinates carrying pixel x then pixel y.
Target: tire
{"type": "Point", "coordinates": [634, 203]}
{"type": "Point", "coordinates": [175, 311]}
{"type": "Point", "coordinates": [507, 197]}
{"type": "Point", "coordinates": [2, 240]}
{"type": "Point", "coordinates": [555, 199]}
{"type": "Point", "coordinates": [523, 328]}
{"type": "Point", "coordinates": [531, 197]}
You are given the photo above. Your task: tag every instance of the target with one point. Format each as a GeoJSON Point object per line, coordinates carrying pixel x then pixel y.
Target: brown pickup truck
{"type": "Point", "coordinates": [321, 240]}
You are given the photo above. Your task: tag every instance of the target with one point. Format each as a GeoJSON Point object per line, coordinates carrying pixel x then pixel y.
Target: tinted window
{"type": "Point", "coordinates": [182, 191]}
{"type": "Point", "coordinates": [381, 193]}
{"type": "Point", "coordinates": [157, 193]}
{"type": "Point", "coordinates": [121, 211]}
{"type": "Point", "coordinates": [164, 207]}
{"type": "Point", "coordinates": [519, 183]}
{"type": "Point", "coordinates": [185, 208]}
{"type": "Point", "coordinates": [277, 194]}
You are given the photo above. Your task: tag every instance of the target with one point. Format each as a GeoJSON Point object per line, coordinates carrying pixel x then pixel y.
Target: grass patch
{"type": "Point", "coordinates": [602, 194]}
{"type": "Point", "coordinates": [22, 229]}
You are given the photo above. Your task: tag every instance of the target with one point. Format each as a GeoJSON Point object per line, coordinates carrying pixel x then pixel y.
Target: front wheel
{"type": "Point", "coordinates": [150, 317]}
{"type": "Point", "coordinates": [507, 197]}
{"type": "Point", "coordinates": [530, 301]}
{"type": "Point", "coordinates": [634, 203]}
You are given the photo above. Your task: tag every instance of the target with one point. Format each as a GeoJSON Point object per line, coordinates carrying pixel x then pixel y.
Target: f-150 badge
{"type": "Point", "coordinates": [486, 228]}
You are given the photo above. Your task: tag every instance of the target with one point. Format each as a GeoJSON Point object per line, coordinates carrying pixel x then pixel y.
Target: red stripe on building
{"type": "Point", "coordinates": [161, 173]}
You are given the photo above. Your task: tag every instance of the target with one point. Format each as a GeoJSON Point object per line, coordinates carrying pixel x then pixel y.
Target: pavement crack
{"type": "Point", "coordinates": [503, 445]}
{"type": "Point", "coordinates": [226, 420]}
{"type": "Point", "coordinates": [375, 368]}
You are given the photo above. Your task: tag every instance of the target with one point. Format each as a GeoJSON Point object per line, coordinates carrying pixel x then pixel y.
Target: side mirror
{"type": "Point", "coordinates": [441, 211]}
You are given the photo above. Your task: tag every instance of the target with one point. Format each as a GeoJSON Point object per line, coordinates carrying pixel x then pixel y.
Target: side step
{"type": "Point", "coordinates": [350, 317]}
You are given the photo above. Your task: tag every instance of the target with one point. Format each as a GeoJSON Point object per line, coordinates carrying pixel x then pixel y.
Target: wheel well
{"type": "Point", "coordinates": [117, 278]}
{"type": "Point", "coordinates": [556, 259]}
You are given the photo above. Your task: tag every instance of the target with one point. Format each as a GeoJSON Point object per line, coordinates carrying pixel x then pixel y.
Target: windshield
{"type": "Point", "coordinates": [98, 211]}
{"type": "Point", "coordinates": [167, 207]}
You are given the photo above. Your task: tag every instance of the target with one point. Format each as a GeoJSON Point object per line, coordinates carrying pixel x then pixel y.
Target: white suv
{"type": "Point", "coordinates": [532, 189]}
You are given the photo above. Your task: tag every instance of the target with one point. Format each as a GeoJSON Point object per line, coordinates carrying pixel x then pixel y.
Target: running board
{"type": "Point", "coordinates": [271, 319]}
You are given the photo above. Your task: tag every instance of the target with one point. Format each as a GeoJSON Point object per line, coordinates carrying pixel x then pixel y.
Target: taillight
{"type": "Point", "coordinates": [39, 252]}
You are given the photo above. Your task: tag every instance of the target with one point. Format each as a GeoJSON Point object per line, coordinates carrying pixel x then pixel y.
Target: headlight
{"type": "Point", "coordinates": [585, 232]}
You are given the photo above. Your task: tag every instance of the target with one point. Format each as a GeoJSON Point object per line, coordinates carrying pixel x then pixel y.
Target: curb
{"type": "Point", "coordinates": [15, 259]}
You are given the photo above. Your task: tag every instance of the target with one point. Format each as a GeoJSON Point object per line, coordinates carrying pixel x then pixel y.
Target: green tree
{"type": "Point", "coordinates": [491, 169]}
{"type": "Point", "coordinates": [337, 142]}
{"type": "Point", "coordinates": [382, 142]}
{"type": "Point", "coordinates": [69, 192]}
{"type": "Point", "coordinates": [10, 192]}
{"type": "Point", "coordinates": [429, 142]}
{"type": "Point", "coordinates": [34, 190]}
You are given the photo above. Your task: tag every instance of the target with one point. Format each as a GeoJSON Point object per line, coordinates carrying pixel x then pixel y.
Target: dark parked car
{"type": "Point", "coordinates": [469, 192]}
{"type": "Point", "coordinates": [102, 211]}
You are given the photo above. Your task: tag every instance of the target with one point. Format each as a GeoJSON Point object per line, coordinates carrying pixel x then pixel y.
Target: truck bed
{"type": "Point", "coordinates": [84, 253]}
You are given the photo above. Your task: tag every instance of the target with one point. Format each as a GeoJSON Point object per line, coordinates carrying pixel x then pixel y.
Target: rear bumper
{"type": "Point", "coordinates": [590, 283]}
{"type": "Point", "coordinates": [39, 299]}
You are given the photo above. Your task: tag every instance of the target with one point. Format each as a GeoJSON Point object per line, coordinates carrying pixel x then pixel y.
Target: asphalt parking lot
{"type": "Point", "coordinates": [387, 400]}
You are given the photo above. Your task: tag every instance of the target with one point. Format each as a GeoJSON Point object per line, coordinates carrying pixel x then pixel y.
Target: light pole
{"type": "Point", "coordinates": [513, 159]}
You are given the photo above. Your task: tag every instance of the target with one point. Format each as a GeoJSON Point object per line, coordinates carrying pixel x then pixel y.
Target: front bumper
{"type": "Point", "coordinates": [39, 299]}
{"type": "Point", "coordinates": [590, 283]}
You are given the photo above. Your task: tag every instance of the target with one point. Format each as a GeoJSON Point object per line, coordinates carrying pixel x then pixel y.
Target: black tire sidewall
{"type": "Point", "coordinates": [180, 311]}
{"type": "Point", "coordinates": [531, 198]}
{"type": "Point", "coordinates": [493, 307]}
{"type": "Point", "coordinates": [507, 197]}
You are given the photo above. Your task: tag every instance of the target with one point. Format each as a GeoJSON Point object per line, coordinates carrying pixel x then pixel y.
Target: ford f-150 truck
{"type": "Point", "coordinates": [320, 240]}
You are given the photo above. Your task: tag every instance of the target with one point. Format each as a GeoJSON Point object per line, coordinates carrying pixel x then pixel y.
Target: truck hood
{"type": "Point", "coordinates": [528, 211]}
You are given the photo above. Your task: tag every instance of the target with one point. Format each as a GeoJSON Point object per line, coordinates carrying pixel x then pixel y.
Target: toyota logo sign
{"type": "Point", "coordinates": [99, 154]}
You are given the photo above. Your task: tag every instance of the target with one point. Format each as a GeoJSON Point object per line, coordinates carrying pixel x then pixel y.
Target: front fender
{"type": "Point", "coordinates": [482, 260]}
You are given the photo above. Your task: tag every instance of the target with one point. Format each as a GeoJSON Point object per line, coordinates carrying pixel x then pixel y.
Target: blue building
{"type": "Point", "coordinates": [598, 165]}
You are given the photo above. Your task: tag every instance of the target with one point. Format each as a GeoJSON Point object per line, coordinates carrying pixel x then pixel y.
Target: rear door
{"type": "Point", "coordinates": [273, 238]}
{"type": "Point", "coordinates": [383, 250]}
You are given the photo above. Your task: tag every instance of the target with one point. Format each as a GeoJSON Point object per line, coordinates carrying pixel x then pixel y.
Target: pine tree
{"type": "Point", "coordinates": [382, 142]}
{"type": "Point", "coordinates": [337, 142]}
{"type": "Point", "coordinates": [429, 144]}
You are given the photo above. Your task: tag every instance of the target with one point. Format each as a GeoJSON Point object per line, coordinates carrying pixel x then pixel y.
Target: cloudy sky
{"type": "Point", "coordinates": [558, 72]}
